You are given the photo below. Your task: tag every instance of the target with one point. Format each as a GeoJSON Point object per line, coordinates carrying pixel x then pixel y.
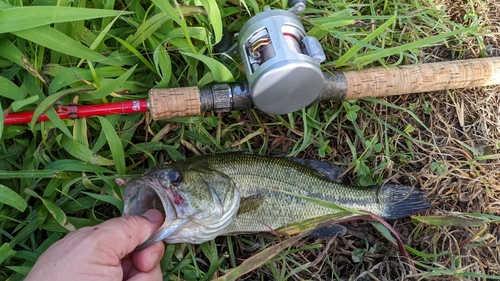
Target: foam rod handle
{"type": "Point", "coordinates": [428, 77]}
{"type": "Point", "coordinates": [174, 102]}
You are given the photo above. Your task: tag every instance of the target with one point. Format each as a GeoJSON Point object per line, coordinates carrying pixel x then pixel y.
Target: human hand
{"type": "Point", "coordinates": [104, 252]}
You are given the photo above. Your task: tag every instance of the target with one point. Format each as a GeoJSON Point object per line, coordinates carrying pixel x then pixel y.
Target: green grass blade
{"type": "Point", "coordinates": [47, 104]}
{"type": "Point", "coordinates": [53, 209]}
{"type": "Point", "coordinates": [135, 52]}
{"type": "Point", "coordinates": [77, 166]}
{"type": "Point", "coordinates": [83, 153]}
{"type": "Point", "coordinates": [60, 42]}
{"type": "Point", "coordinates": [220, 71]}
{"type": "Point", "coordinates": [163, 64]}
{"type": "Point", "coordinates": [108, 199]}
{"type": "Point", "coordinates": [11, 198]}
{"type": "Point", "coordinates": [22, 18]}
{"type": "Point", "coordinates": [260, 259]}
{"type": "Point", "coordinates": [115, 145]}
{"type": "Point", "coordinates": [35, 174]}
{"type": "Point", "coordinates": [12, 53]}
{"type": "Point", "coordinates": [177, 16]}
{"type": "Point", "coordinates": [17, 105]}
{"type": "Point", "coordinates": [10, 90]}
{"type": "Point", "coordinates": [107, 88]}
{"type": "Point", "coordinates": [6, 252]}
{"type": "Point", "coordinates": [69, 76]}
{"type": "Point", "coordinates": [4, 6]}
{"type": "Point", "coordinates": [147, 28]}
{"type": "Point", "coordinates": [215, 18]}
{"type": "Point", "coordinates": [354, 49]}
{"type": "Point", "coordinates": [378, 54]}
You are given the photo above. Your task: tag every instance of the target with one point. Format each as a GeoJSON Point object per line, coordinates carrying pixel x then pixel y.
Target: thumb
{"type": "Point", "coordinates": [125, 233]}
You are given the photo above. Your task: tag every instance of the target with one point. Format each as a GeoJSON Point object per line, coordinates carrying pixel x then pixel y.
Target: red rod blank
{"type": "Point", "coordinates": [79, 111]}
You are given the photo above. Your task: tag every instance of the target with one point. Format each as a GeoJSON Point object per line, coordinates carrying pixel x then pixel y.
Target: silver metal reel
{"type": "Point", "coordinates": [281, 62]}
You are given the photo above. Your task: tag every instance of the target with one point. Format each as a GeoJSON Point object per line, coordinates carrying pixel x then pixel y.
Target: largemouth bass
{"type": "Point", "coordinates": [210, 195]}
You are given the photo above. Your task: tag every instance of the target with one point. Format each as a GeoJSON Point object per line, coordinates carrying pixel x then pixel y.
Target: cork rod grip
{"type": "Point", "coordinates": [427, 77]}
{"type": "Point", "coordinates": [174, 102]}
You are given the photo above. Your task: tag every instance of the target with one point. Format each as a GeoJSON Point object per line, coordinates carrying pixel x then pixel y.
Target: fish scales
{"type": "Point", "coordinates": [268, 176]}
{"type": "Point", "coordinates": [210, 195]}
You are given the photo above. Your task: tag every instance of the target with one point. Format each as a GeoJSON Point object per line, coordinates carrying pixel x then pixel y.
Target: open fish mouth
{"type": "Point", "coordinates": [147, 193]}
{"type": "Point", "coordinates": [149, 196]}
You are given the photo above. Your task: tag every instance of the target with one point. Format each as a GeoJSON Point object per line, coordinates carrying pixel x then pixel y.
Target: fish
{"type": "Point", "coordinates": [210, 195]}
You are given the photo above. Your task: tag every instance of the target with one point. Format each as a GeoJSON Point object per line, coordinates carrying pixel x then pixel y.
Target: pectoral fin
{"type": "Point", "coordinates": [330, 231]}
{"type": "Point", "coordinates": [250, 203]}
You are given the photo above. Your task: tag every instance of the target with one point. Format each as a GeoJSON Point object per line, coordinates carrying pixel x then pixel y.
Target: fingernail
{"type": "Point", "coordinates": [155, 258]}
{"type": "Point", "coordinates": [153, 215]}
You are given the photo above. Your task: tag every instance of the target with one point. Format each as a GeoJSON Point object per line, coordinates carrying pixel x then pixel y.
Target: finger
{"type": "Point", "coordinates": [146, 259]}
{"type": "Point", "coordinates": [122, 235]}
{"type": "Point", "coordinates": [152, 275]}
{"type": "Point", "coordinates": [127, 266]}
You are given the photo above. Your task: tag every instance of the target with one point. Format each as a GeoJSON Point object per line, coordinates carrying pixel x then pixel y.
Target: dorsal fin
{"type": "Point", "coordinates": [321, 169]}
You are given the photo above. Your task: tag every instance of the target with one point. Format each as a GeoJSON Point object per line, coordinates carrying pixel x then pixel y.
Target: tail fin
{"type": "Point", "coordinates": [401, 201]}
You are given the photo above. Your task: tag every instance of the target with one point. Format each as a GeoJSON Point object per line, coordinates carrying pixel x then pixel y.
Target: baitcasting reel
{"type": "Point", "coordinates": [281, 62]}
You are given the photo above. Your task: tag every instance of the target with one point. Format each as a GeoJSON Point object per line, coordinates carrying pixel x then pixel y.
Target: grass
{"type": "Point", "coordinates": [57, 176]}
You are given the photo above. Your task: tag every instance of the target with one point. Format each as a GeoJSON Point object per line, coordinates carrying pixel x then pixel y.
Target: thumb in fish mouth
{"type": "Point", "coordinates": [167, 228]}
{"type": "Point", "coordinates": [153, 215]}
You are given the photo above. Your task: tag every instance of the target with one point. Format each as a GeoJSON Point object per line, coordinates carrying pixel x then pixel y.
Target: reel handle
{"type": "Point", "coordinates": [427, 77]}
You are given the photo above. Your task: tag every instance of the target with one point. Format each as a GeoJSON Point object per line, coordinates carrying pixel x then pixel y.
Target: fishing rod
{"type": "Point", "coordinates": [282, 65]}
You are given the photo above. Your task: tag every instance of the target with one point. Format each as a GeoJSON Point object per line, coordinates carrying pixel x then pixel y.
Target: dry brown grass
{"type": "Point", "coordinates": [465, 131]}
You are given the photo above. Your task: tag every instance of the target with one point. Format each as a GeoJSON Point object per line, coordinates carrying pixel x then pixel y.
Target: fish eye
{"type": "Point", "coordinates": [175, 177]}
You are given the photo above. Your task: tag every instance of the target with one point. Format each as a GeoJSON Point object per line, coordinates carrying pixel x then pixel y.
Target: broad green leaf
{"type": "Point", "coordinates": [108, 199]}
{"type": "Point", "coordinates": [47, 104]}
{"type": "Point", "coordinates": [4, 5]}
{"type": "Point", "coordinates": [115, 145]}
{"type": "Point", "coordinates": [135, 52]}
{"type": "Point", "coordinates": [11, 198]}
{"type": "Point", "coordinates": [99, 40]}
{"type": "Point", "coordinates": [177, 16]}
{"type": "Point", "coordinates": [6, 252]}
{"type": "Point", "coordinates": [69, 76]}
{"type": "Point", "coordinates": [196, 32]}
{"type": "Point", "coordinates": [11, 52]}
{"type": "Point", "coordinates": [81, 131]}
{"type": "Point", "coordinates": [83, 153]}
{"type": "Point", "coordinates": [60, 42]}
{"type": "Point", "coordinates": [53, 209]}
{"type": "Point", "coordinates": [219, 70]}
{"type": "Point", "coordinates": [147, 28]}
{"type": "Point", "coordinates": [76, 166]}
{"type": "Point", "coordinates": [22, 18]}
{"type": "Point", "coordinates": [17, 105]}
{"type": "Point", "coordinates": [163, 64]}
{"type": "Point", "coordinates": [107, 89]}
{"type": "Point", "coordinates": [35, 174]}
{"type": "Point", "coordinates": [168, 10]}
{"type": "Point", "coordinates": [24, 270]}
{"type": "Point", "coordinates": [213, 12]}
{"type": "Point", "coordinates": [10, 90]}
{"type": "Point", "coordinates": [34, 90]}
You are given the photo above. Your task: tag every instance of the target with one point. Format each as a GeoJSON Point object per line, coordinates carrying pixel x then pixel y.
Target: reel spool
{"type": "Point", "coordinates": [281, 62]}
